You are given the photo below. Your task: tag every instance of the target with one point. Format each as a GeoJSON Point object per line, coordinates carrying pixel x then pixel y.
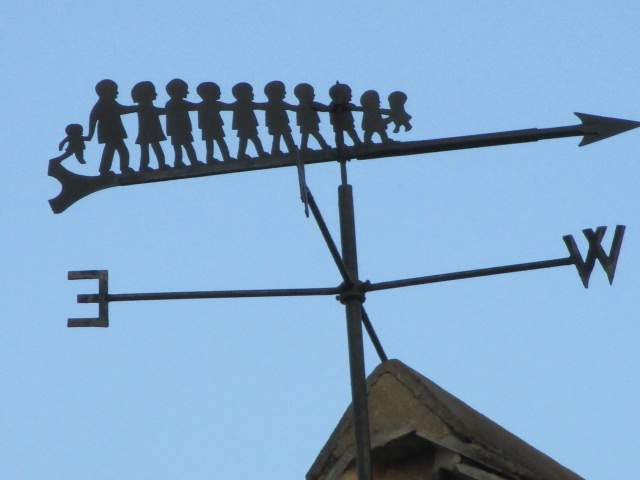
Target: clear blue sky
{"type": "Point", "coordinates": [231, 388]}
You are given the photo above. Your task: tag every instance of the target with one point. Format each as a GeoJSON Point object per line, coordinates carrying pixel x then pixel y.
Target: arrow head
{"type": "Point", "coordinates": [596, 128]}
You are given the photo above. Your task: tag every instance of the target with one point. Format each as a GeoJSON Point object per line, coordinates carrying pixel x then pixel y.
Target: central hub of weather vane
{"type": "Point", "coordinates": [105, 118]}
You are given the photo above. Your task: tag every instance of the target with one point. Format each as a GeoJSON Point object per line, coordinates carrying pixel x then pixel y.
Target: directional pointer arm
{"type": "Point", "coordinates": [104, 297]}
{"type": "Point", "coordinates": [592, 129]}
{"type": "Point", "coordinates": [480, 272]}
{"type": "Point", "coordinates": [74, 187]}
{"type": "Point", "coordinates": [584, 267]}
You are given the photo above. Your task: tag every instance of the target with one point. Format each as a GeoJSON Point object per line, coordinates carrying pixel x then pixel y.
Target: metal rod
{"type": "Point", "coordinates": [337, 258]}
{"type": "Point", "coordinates": [472, 141]}
{"type": "Point", "coordinates": [353, 309]}
{"type": "Point", "coordinates": [343, 172]}
{"type": "Point", "coordinates": [373, 336]}
{"type": "Point", "coordinates": [481, 272]}
{"type": "Point", "coordinates": [285, 292]}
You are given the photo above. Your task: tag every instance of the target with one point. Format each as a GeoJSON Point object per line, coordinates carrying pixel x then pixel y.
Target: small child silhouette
{"type": "Point", "coordinates": [372, 121]}
{"type": "Point", "coordinates": [210, 121]}
{"type": "Point", "coordinates": [75, 143]}
{"type": "Point", "coordinates": [276, 117]}
{"type": "Point", "coordinates": [340, 114]}
{"type": "Point", "coordinates": [398, 114]}
{"type": "Point", "coordinates": [307, 117]}
{"type": "Point", "coordinates": [105, 114]}
{"type": "Point", "coordinates": [244, 120]}
{"type": "Point", "coordinates": [149, 127]}
{"type": "Point", "coordinates": [179, 123]}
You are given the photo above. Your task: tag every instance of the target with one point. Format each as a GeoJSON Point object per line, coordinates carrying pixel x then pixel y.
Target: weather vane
{"type": "Point", "coordinates": [105, 117]}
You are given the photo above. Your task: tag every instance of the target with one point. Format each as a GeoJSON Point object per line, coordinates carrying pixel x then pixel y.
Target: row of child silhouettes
{"type": "Point", "coordinates": [106, 115]}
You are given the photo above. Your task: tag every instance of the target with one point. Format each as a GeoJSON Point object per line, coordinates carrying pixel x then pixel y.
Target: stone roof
{"type": "Point", "coordinates": [404, 402]}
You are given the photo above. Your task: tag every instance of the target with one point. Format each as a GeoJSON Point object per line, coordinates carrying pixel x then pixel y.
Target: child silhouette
{"type": "Point", "coordinates": [106, 115]}
{"type": "Point", "coordinates": [276, 117]}
{"type": "Point", "coordinates": [340, 114]}
{"type": "Point", "coordinates": [179, 123]}
{"type": "Point", "coordinates": [75, 143]}
{"type": "Point", "coordinates": [245, 121]}
{"type": "Point", "coordinates": [210, 121]}
{"type": "Point", "coordinates": [372, 121]}
{"type": "Point", "coordinates": [149, 127]}
{"type": "Point", "coordinates": [398, 114]}
{"type": "Point", "coordinates": [307, 117]}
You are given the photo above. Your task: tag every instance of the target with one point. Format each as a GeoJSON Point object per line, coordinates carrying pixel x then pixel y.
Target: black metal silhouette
{"type": "Point", "coordinates": [210, 121]}
{"type": "Point", "coordinates": [74, 142]}
{"type": "Point", "coordinates": [596, 252]}
{"type": "Point", "coordinates": [372, 121]}
{"type": "Point", "coordinates": [179, 123]}
{"type": "Point", "coordinates": [307, 117]}
{"type": "Point", "coordinates": [149, 126]}
{"type": "Point", "coordinates": [276, 117]}
{"type": "Point", "coordinates": [102, 298]}
{"type": "Point", "coordinates": [592, 129]}
{"type": "Point", "coordinates": [107, 112]}
{"type": "Point", "coordinates": [398, 114]}
{"type": "Point", "coordinates": [245, 121]}
{"type": "Point", "coordinates": [106, 115]}
{"type": "Point", "coordinates": [340, 114]}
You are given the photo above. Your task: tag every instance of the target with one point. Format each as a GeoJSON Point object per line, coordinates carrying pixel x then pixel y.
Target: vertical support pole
{"type": "Point", "coordinates": [353, 307]}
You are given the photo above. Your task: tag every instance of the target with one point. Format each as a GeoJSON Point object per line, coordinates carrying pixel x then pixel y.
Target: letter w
{"type": "Point", "coordinates": [595, 252]}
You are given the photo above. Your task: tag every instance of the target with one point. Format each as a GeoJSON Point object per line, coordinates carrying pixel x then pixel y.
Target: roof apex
{"type": "Point", "coordinates": [434, 414]}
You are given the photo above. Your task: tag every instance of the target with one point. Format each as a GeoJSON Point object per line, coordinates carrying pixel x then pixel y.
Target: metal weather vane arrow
{"type": "Point", "coordinates": [592, 129]}
{"type": "Point", "coordinates": [352, 290]}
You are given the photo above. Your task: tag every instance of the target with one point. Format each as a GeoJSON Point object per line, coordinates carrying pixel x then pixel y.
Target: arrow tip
{"type": "Point", "coordinates": [596, 127]}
